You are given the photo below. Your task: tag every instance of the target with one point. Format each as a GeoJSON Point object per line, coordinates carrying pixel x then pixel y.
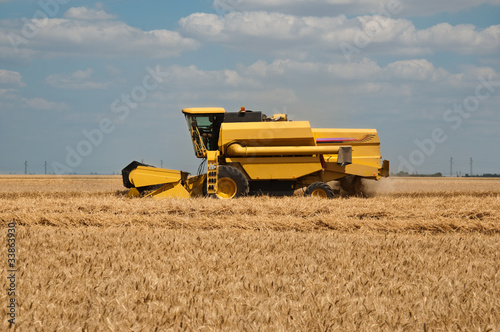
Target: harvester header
{"type": "Point", "coordinates": [248, 153]}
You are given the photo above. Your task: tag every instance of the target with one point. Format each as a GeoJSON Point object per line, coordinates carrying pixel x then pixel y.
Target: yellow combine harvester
{"type": "Point", "coordinates": [247, 153]}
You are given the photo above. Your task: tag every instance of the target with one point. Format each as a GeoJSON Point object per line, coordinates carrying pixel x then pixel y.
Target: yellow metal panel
{"type": "Point", "coordinates": [194, 185]}
{"type": "Point", "coordinates": [212, 171]}
{"type": "Point", "coordinates": [372, 161]}
{"type": "Point", "coordinates": [170, 190]}
{"type": "Point", "coordinates": [355, 169]}
{"type": "Point", "coordinates": [283, 168]}
{"type": "Point", "coordinates": [365, 145]}
{"type": "Point", "coordinates": [133, 192]}
{"type": "Point", "coordinates": [204, 110]}
{"type": "Point", "coordinates": [149, 176]}
{"type": "Point", "coordinates": [353, 136]}
{"type": "Point", "coordinates": [281, 133]}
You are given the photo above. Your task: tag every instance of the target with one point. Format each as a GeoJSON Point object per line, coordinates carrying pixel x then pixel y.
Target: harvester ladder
{"type": "Point", "coordinates": [212, 171]}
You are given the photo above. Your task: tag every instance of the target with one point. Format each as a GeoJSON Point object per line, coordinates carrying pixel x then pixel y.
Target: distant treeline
{"type": "Point", "coordinates": [438, 175]}
{"type": "Point", "coordinates": [486, 175]}
{"type": "Point", "coordinates": [406, 174]}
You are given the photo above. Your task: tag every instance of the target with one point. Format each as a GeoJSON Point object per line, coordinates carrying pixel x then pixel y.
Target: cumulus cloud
{"type": "Point", "coordinates": [279, 34]}
{"type": "Point", "coordinates": [44, 105]}
{"type": "Point", "coordinates": [80, 79]}
{"type": "Point", "coordinates": [192, 77]}
{"type": "Point", "coordinates": [11, 101]}
{"type": "Point", "coordinates": [272, 83]}
{"type": "Point", "coordinates": [83, 13]}
{"type": "Point", "coordinates": [88, 32]}
{"type": "Point", "coordinates": [400, 8]}
{"type": "Point", "coordinates": [288, 82]}
{"type": "Point", "coordinates": [341, 72]}
{"type": "Point", "coordinates": [463, 38]}
{"type": "Point", "coordinates": [189, 85]}
{"type": "Point", "coordinates": [415, 70]}
{"type": "Point", "coordinates": [11, 78]}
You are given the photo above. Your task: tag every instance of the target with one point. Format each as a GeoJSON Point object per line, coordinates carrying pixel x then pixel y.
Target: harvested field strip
{"type": "Point", "coordinates": [386, 213]}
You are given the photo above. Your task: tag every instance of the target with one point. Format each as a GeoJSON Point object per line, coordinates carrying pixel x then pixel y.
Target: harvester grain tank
{"type": "Point", "coordinates": [248, 153]}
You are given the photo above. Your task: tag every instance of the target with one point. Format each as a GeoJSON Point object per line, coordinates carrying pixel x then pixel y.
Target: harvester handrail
{"type": "Point", "coordinates": [201, 149]}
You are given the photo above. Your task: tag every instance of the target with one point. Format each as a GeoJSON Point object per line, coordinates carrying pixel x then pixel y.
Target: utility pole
{"type": "Point", "coordinates": [26, 167]}
{"type": "Point", "coordinates": [45, 164]}
{"type": "Point", "coordinates": [471, 166]}
{"type": "Point", "coordinates": [451, 166]}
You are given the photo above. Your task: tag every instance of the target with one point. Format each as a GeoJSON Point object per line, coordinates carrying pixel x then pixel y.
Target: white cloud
{"type": "Point", "coordinates": [82, 13]}
{"type": "Point", "coordinates": [112, 70]}
{"type": "Point", "coordinates": [400, 87]}
{"type": "Point", "coordinates": [77, 80]}
{"type": "Point", "coordinates": [278, 96]}
{"type": "Point", "coordinates": [400, 8]}
{"type": "Point", "coordinates": [463, 38]}
{"type": "Point", "coordinates": [44, 105]}
{"type": "Point", "coordinates": [418, 70]}
{"type": "Point", "coordinates": [78, 35]}
{"type": "Point", "coordinates": [365, 69]}
{"type": "Point", "coordinates": [286, 81]}
{"type": "Point", "coordinates": [278, 34]}
{"type": "Point", "coordinates": [12, 78]}
{"type": "Point", "coordinates": [479, 71]}
{"type": "Point", "coordinates": [190, 85]}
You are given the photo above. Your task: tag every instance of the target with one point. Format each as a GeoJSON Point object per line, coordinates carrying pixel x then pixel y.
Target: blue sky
{"type": "Point", "coordinates": [89, 86]}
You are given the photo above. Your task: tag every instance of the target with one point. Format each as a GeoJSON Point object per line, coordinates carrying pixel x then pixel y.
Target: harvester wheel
{"type": "Point", "coordinates": [319, 189]}
{"type": "Point", "coordinates": [231, 183]}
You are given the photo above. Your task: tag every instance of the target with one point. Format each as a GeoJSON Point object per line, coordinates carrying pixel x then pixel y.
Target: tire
{"type": "Point", "coordinates": [232, 183]}
{"type": "Point", "coordinates": [352, 185]}
{"type": "Point", "coordinates": [319, 189]}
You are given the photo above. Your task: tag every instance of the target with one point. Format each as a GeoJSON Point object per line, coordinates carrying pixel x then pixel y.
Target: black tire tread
{"type": "Point", "coordinates": [237, 176]}
{"type": "Point", "coordinates": [319, 185]}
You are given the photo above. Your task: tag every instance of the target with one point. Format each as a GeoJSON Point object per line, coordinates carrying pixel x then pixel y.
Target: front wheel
{"type": "Point", "coordinates": [319, 189]}
{"type": "Point", "coordinates": [231, 183]}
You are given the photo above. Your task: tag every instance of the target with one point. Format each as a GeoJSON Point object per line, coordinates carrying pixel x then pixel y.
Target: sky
{"type": "Point", "coordinates": [89, 86]}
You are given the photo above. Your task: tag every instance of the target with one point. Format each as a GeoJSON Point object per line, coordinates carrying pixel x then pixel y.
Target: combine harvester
{"type": "Point", "coordinates": [247, 153]}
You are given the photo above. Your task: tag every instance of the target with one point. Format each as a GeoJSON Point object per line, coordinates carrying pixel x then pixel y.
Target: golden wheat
{"type": "Point", "coordinates": [421, 254]}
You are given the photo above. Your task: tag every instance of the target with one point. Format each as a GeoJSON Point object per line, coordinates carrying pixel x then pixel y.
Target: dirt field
{"type": "Point", "coordinates": [420, 254]}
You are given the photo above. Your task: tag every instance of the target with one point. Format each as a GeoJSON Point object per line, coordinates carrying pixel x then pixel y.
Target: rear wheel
{"type": "Point", "coordinates": [319, 189]}
{"type": "Point", "coordinates": [231, 183]}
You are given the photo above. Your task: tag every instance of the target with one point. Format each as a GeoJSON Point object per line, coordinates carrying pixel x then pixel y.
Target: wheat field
{"type": "Point", "coordinates": [419, 254]}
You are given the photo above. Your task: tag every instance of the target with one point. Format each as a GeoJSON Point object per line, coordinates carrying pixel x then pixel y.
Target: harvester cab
{"type": "Point", "coordinates": [248, 153]}
{"type": "Point", "coordinates": [204, 127]}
